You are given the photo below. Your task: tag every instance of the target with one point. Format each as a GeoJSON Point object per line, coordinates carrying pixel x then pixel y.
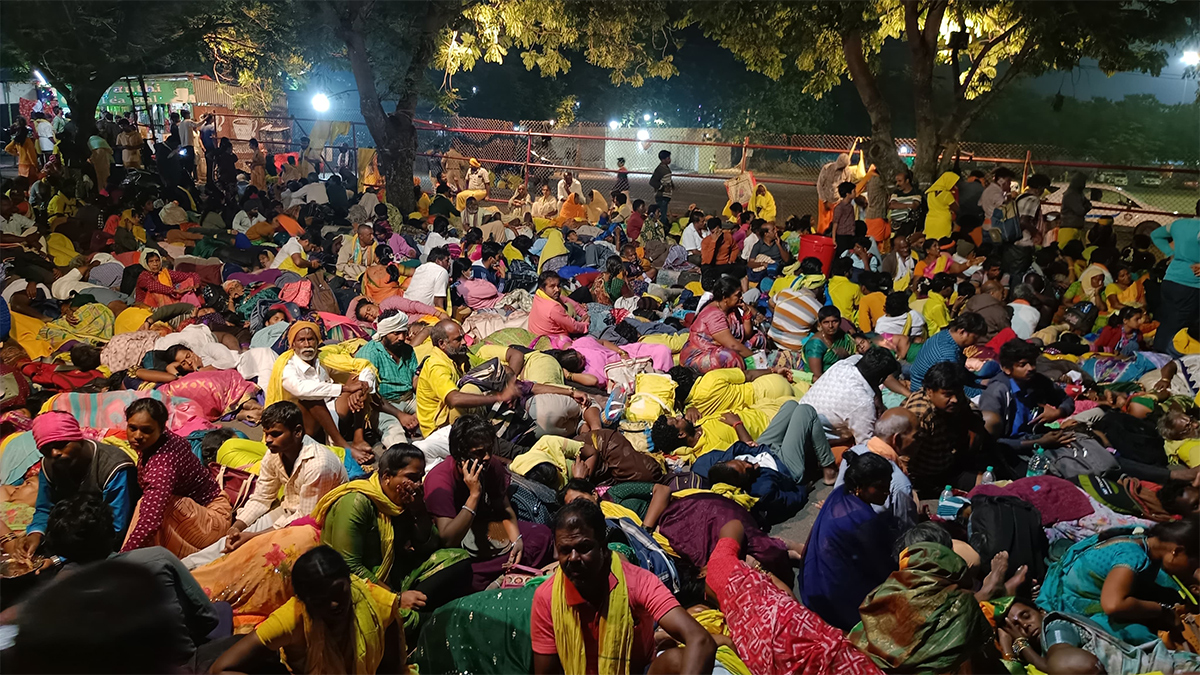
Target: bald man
{"type": "Point", "coordinates": [989, 303]}
{"type": "Point", "coordinates": [557, 410]}
{"type": "Point", "coordinates": [893, 440]}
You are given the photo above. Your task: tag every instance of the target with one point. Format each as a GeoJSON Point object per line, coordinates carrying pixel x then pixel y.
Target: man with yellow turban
{"type": "Point", "coordinates": [332, 411]}
{"type": "Point", "coordinates": [478, 179]}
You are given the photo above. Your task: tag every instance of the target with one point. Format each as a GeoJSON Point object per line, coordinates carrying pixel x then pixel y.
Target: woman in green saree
{"type": "Point", "coordinates": [381, 527]}
{"type": "Point", "coordinates": [921, 619]}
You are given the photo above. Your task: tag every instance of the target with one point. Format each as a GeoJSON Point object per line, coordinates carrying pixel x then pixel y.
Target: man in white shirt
{"type": "Point", "coordinates": [1025, 317]}
{"type": "Point", "coordinates": [566, 186]}
{"type": "Point", "coordinates": [436, 238]}
{"type": "Point", "coordinates": [430, 282]}
{"type": "Point", "coordinates": [313, 192]}
{"type": "Point", "coordinates": [478, 180]}
{"type": "Point", "coordinates": [305, 469]}
{"type": "Point", "coordinates": [846, 396]}
{"type": "Point", "coordinates": [248, 217]}
{"type": "Point", "coordinates": [75, 280]}
{"type": "Point", "coordinates": [296, 251]}
{"type": "Point", "coordinates": [331, 411]}
{"type": "Point", "coordinates": [187, 136]}
{"type": "Point", "coordinates": [692, 238]}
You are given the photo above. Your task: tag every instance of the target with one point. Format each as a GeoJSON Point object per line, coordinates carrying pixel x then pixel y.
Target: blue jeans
{"type": "Point", "coordinates": [663, 203]}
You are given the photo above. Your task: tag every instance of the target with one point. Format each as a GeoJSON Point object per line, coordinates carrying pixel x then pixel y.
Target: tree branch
{"type": "Point", "coordinates": [961, 89]}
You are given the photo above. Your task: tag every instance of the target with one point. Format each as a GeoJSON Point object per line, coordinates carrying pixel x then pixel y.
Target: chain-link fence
{"type": "Point", "coordinates": [537, 153]}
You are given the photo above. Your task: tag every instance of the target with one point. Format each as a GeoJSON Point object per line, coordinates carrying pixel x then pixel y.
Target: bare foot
{"type": "Point", "coordinates": [831, 473]}
{"type": "Point", "coordinates": [1011, 586]}
{"type": "Point", "coordinates": [995, 578]}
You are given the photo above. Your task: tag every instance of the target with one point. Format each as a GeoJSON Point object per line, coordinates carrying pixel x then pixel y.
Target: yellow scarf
{"type": "Point", "coordinates": [387, 510]}
{"type": "Point", "coordinates": [338, 359]}
{"type": "Point", "coordinates": [324, 655]}
{"type": "Point", "coordinates": [723, 489]}
{"type": "Point", "coordinates": [616, 629]}
{"type": "Point", "coordinates": [555, 246]}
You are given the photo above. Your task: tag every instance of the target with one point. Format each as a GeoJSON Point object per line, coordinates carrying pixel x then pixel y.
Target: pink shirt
{"type": "Point", "coordinates": [649, 600]}
{"type": "Point", "coordinates": [549, 318]}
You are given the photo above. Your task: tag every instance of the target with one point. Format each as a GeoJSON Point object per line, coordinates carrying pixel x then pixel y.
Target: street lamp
{"type": "Point", "coordinates": [643, 135]}
{"type": "Point", "coordinates": [320, 102]}
{"type": "Point", "coordinates": [646, 117]}
{"type": "Point", "coordinates": [1190, 58]}
{"type": "Point", "coordinates": [614, 125]}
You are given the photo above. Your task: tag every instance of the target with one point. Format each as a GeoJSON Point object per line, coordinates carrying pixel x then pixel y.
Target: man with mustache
{"type": "Point", "coordinates": [946, 449]}
{"type": "Point", "coordinates": [593, 590]}
{"type": "Point", "coordinates": [332, 411]}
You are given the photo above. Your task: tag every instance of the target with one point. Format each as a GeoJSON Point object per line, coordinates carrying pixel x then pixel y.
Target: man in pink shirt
{"type": "Point", "coordinates": [586, 579]}
{"type": "Point", "coordinates": [549, 316]}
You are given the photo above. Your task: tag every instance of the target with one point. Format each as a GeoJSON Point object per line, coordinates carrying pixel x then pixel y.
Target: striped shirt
{"type": "Point", "coordinates": [795, 315]}
{"type": "Point", "coordinates": [317, 471]}
{"type": "Point", "coordinates": [940, 347]}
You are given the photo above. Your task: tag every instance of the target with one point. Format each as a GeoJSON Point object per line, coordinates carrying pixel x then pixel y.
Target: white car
{"type": "Point", "coordinates": [1125, 209]}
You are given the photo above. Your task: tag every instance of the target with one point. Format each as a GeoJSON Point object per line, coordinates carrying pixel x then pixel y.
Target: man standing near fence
{"type": "Point", "coordinates": [477, 185]}
{"type": "Point", "coordinates": [663, 186]}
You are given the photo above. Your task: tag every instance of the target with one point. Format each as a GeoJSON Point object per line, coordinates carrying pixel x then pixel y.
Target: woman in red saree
{"type": "Point", "coordinates": [772, 631]}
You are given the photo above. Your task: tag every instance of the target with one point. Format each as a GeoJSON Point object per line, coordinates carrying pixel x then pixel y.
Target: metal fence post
{"type": "Point", "coordinates": [528, 159]}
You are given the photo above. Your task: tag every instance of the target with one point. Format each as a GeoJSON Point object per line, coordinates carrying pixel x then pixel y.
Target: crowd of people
{"type": "Point", "coordinates": [269, 422]}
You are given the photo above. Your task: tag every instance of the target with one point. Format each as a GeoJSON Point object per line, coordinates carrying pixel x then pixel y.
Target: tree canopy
{"type": "Point", "coordinates": [962, 52]}
{"type": "Point", "coordinates": [83, 46]}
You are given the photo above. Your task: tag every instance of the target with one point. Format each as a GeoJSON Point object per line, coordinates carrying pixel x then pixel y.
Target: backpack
{"type": "Point", "coordinates": [1084, 455]}
{"type": "Point", "coordinates": [490, 377]}
{"type": "Point", "coordinates": [1006, 523]}
{"type": "Point", "coordinates": [649, 554]}
{"type": "Point", "coordinates": [521, 275]}
{"type": "Point", "coordinates": [1006, 223]}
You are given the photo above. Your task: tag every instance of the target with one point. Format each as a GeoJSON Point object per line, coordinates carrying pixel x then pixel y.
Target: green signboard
{"type": "Point", "coordinates": [160, 92]}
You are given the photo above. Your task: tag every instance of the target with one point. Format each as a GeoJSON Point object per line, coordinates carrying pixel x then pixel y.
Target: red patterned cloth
{"type": "Point", "coordinates": [772, 631]}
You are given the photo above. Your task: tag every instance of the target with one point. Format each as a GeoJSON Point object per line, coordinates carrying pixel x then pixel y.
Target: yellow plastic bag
{"type": "Point", "coordinates": [654, 395]}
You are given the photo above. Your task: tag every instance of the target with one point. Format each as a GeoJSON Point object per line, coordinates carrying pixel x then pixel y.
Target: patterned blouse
{"type": "Point", "coordinates": [170, 470]}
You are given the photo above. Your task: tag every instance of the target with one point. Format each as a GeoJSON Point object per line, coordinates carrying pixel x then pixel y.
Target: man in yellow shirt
{"type": "Point", "coordinates": [685, 438]}
{"type": "Point", "coordinates": [437, 385]}
{"type": "Point", "coordinates": [936, 311]}
{"type": "Point", "coordinates": [843, 293]}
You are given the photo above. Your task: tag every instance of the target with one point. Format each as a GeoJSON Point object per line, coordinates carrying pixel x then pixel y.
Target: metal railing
{"type": "Point", "coordinates": [535, 153]}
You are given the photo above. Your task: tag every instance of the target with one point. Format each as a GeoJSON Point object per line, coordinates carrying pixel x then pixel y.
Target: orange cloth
{"type": "Point", "coordinates": [878, 229]}
{"type": "Point", "coordinates": [824, 216]}
{"type": "Point", "coordinates": [187, 526]}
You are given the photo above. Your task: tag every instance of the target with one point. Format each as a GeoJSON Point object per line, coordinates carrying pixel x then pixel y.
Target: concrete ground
{"type": "Point", "coordinates": [796, 530]}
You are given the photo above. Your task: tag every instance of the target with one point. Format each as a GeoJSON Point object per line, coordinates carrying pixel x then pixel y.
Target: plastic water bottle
{"type": "Point", "coordinates": [989, 476]}
{"type": "Point", "coordinates": [947, 494]}
{"type": "Point", "coordinates": [1039, 464]}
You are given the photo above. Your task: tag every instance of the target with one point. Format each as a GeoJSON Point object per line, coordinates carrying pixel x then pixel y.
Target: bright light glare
{"type": "Point", "coordinates": [643, 135]}
{"type": "Point", "coordinates": [646, 117]}
{"type": "Point", "coordinates": [1190, 58]}
{"type": "Point", "coordinates": [614, 125]}
{"type": "Point", "coordinates": [905, 150]}
{"type": "Point", "coordinates": [320, 102]}
{"type": "Point", "coordinates": [40, 78]}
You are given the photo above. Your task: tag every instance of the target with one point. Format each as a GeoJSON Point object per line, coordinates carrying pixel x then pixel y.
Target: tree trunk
{"type": "Point", "coordinates": [881, 148]}
{"type": "Point", "coordinates": [923, 42]}
{"type": "Point", "coordinates": [396, 165]}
